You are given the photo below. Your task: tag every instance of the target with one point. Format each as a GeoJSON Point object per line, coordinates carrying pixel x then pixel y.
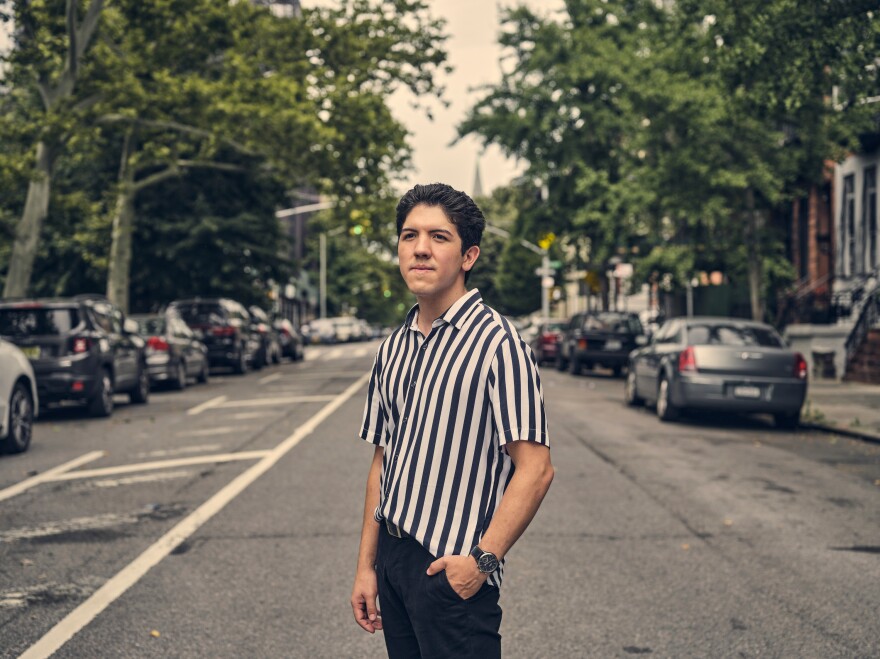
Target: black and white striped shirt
{"type": "Point", "coordinates": [443, 407]}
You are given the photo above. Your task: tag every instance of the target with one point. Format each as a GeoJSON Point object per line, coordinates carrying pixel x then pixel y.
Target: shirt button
{"type": "Point", "coordinates": [424, 347]}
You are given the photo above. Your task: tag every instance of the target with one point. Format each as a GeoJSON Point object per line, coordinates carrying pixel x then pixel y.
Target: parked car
{"type": "Point", "coordinates": [174, 354]}
{"type": "Point", "coordinates": [19, 403]}
{"type": "Point", "coordinates": [545, 340]}
{"type": "Point", "coordinates": [599, 338]}
{"type": "Point", "coordinates": [224, 326]}
{"type": "Point", "coordinates": [269, 351]}
{"type": "Point", "coordinates": [346, 328]}
{"type": "Point", "coordinates": [82, 349]}
{"type": "Point", "coordinates": [724, 364]}
{"type": "Point", "coordinates": [292, 341]}
{"type": "Point", "coordinates": [321, 330]}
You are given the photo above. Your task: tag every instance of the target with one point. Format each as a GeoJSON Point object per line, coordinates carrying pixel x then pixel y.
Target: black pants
{"type": "Point", "coordinates": [422, 616]}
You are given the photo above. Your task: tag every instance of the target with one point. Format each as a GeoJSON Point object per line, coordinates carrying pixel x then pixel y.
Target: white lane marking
{"type": "Point", "coordinates": [48, 475]}
{"type": "Point", "coordinates": [66, 526]}
{"type": "Point", "coordinates": [360, 352]}
{"type": "Point", "coordinates": [311, 355]}
{"type": "Point", "coordinates": [201, 448]}
{"type": "Point", "coordinates": [270, 378]}
{"type": "Point", "coordinates": [336, 353]}
{"type": "Point", "coordinates": [259, 402]}
{"type": "Point", "coordinates": [82, 615]}
{"type": "Point", "coordinates": [201, 432]}
{"type": "Point", "coordinates": [143, 478]}
{"type": "Point", "coordinates": [162, 464]}
{"type": "Point", "coordinates": [250, 415]}
{"type": "Point", "coordinates": [198, 409]}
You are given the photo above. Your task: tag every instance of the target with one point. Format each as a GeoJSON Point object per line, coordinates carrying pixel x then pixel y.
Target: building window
{"type": "Point", "coordinates": [848, 225]}
{"type": "Point", "coordinates": [869, 215]}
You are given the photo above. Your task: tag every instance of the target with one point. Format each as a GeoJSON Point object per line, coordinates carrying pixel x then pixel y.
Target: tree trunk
{"type": "Point", "coordinates": [752, 231]}
{"type": "Point", "coordinates": [27, 233]}
{"type": "Point", "coordinates": [119, 269]}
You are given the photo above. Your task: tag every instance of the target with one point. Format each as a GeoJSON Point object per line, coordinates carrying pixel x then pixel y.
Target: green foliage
{"type": "Point", "coordinates": [172, 88]}
{"type": "Point", "coordinates": [680, 127]}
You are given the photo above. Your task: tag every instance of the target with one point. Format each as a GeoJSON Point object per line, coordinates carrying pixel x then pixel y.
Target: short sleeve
{"type": "Point", "coordinates": [373, 427]}
{"type": "Point", "coordinates": [516, 394]}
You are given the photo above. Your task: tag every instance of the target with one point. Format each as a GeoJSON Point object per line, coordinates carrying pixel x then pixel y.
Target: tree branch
{"type": "Point", "coordinates": [182, 128]}
{"type": "Point", "coordinates": [174, 170]}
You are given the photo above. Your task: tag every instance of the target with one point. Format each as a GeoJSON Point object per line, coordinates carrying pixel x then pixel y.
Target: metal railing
{"type": "Point", "coordinates": [869, 316]}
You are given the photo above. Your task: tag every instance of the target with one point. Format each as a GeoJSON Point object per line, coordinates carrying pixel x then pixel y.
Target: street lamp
{"type": "Point", "coordinates": [545, 272]}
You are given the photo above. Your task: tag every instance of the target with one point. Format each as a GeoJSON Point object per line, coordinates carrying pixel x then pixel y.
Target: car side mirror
{"type": "Point", "coordinates": [130, 326]}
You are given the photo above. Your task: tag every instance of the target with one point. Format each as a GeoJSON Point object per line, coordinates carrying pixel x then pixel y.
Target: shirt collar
{"type": "Point", "coordinates": [456, 315]}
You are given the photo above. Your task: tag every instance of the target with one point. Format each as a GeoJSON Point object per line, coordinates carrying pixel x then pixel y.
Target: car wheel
{"type": "Point", "coordinates": [101, 403]}
{"type": "Point", "coordinates": [617, 370]}
{"type": "Point", "coordinates": [574, 365]}
{"type": "Point", "coordinates": [630, 392]}
{"type": "Point", "coordinates": [141, 393]}
{"type": "Point", "coordinates": [203, 374]}
{"type": "Point", "coordinates": [665, 409]}
{"type": "Point", "coordinates": [560, 363]}
{"type": "Point", "coordinates": [276, 355]}
{"type": "Point", "coordinates": [787, 421]}
{"type": "Point", "coordinates": [21, 420]}
{"type": "Point", "coordinates": [179, 381]}
{"type": "Point", "coordinates": [240, 366]}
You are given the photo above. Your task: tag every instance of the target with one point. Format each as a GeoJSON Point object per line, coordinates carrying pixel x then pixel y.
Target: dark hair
{"type": "Point", "coordinates": [457, 206]}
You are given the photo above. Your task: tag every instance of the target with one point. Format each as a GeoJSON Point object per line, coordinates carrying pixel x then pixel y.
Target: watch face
{"type": "Point", "coordinates": [487, 563]}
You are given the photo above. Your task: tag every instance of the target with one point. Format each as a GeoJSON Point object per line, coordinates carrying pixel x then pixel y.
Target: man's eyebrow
{"type": "Point", "coordinates": [439, 230]}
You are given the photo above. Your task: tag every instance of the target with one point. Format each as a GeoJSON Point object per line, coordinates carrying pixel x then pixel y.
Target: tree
{"type": "Point", "coordinates": [46, 65]}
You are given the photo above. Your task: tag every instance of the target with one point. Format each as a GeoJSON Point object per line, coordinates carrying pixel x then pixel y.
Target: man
{"type": "Point", "coordinates": [461, 461]}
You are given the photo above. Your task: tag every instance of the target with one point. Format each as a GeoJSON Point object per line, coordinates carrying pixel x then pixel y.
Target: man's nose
{"type": "Point", "coordinates": [423, 245]}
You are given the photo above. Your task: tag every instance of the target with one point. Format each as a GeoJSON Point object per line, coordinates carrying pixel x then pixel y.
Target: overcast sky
{"type": "Point", "coordinates": [473, 26]}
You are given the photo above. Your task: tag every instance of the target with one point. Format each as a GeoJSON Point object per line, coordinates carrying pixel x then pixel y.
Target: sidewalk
{"type": "Point", "coordinates": [850, 408]}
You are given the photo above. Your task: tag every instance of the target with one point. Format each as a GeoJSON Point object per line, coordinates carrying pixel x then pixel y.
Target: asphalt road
{"type": "Point", "coordinates": [713, 537]}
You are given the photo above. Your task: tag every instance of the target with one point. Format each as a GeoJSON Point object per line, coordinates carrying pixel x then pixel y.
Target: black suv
{"type": "Point", "coordinates": [599, 338]}
{"type": "Point", "coordinates": [82, 349]}
{"type": "Point", "coordinates": [225, 327]}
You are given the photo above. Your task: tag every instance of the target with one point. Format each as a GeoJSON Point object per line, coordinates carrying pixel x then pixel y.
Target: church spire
{"type": "Point", "coordinates": [477, 189]}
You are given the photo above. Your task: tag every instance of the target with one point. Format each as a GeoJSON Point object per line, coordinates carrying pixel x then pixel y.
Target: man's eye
{"type": "Point", "coordinates": [440, 236]}
{"type": "Point", "coordinates": [407, 236]}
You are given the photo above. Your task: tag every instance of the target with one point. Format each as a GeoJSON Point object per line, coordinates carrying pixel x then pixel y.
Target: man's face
{"type": "Point", "coordinates": [429, 249]}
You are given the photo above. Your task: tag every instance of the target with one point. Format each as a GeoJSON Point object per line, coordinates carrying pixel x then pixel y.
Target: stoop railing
{"type": "Point", "coordinates": [868, 318]}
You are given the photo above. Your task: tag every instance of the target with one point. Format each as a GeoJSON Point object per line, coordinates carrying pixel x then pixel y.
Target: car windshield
{"type": "Point", "coordinates": [20, 322]}
{"type": "Point", "coordinates": [733, 335]}
{"type": "Point", "coordinates": [614, 322]}
{"type": "Point", "coordinates": [201, 314]}
{"type": "Point", "coordinates": [154, 325]}
{"type": "Point", "coordinates": [554, 327]}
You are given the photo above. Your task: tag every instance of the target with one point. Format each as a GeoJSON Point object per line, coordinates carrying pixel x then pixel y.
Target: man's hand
{"type": "Point", "coordinates": [363, 600]}
{"type": "Point", "coordinates": [462, 573]}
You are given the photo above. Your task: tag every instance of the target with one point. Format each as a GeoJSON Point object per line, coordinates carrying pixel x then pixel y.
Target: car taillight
{"type": "Point", "coordinates": [157, 343]}
{"type": "Point", "coordinates": [800, 366]}
{"type": "Point", "coordinates": [285, 331]}
{"type": "Point", "coordinates": [582, 344]}
{"type": "Point", "coordinates": [550, 337]}
{"type": "Point", "coordinates": [226, 330]}
{"type": "Point", "coordinates": [687, 361]}
{"type": "Point", "coordinates": [79, 345]}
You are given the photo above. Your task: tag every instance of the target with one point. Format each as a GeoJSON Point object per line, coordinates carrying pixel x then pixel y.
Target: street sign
{"type": "Point", "coordinates": [555, 264]}
{"type": "Point", "coordinates": [544, 272]}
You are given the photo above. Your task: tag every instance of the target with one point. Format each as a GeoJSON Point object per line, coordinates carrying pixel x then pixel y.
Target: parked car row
{"type": "Point", "coordinates": [339, 329]}
{"type": "Point", "coordinates": [707, 363]}
{"type": "Point", "coordinates": [83, 350]}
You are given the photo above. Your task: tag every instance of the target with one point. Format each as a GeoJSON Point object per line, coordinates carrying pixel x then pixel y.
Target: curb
{"type": "Point", "coordinates": [864, 435]}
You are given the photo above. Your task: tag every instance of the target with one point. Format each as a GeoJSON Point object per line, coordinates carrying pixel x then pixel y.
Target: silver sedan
{"type": "Point", "coordinates": [725, 364]}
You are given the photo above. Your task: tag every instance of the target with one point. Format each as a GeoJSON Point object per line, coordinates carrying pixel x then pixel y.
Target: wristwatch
{"type": "Point", "coordinates": [487, 562]}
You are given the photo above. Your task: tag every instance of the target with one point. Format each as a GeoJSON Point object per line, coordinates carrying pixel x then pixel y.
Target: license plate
{"type": "Point", "coordinates": [31, 352]}
{"type": "Point", "coordinates": [613, 345]}
{"type": "Point", "coordinates": [747, 392]}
